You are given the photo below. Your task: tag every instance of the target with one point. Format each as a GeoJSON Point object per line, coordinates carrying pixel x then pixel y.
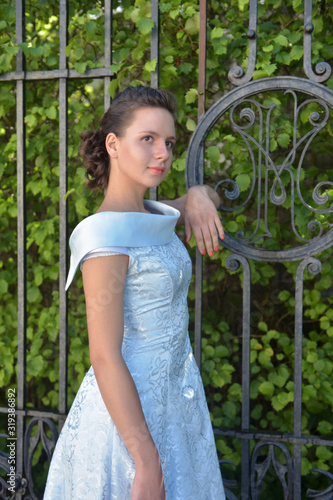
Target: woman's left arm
{"type": "Point", "coordinates": [198, 209]}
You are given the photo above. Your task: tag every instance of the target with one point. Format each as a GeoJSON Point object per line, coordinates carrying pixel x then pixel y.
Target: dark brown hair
{"type": "Point", "coordinates": [115, 120]}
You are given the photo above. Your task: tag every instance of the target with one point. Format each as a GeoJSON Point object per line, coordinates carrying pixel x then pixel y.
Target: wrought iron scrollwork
{"type": "Point", "coordinates": [245, 112]}
{"type": "Point", "coordinates": [283, 472]}
{"type": "Point", "coordinates": [323, 70]}
{"type": "Point", "coordinates": [318, 121]}
{"type": "Point", "coordinates": [20, 487]}
{"type": "Point", "coordinates": [236, 74]}
{"type": "Point", "coordinates": [20, 482]}
{"type": "Point", "coordinates": [229, 483]}
{"type": "Point", "coordinates": [326, 494]}
{"type": "Point", "coordinates": [31, 443]}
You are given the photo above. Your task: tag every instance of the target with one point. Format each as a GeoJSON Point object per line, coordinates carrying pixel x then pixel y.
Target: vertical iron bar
{"type": "Point", "coordinates": [201, 110]}
{"type": "Point", "coordinates": [63, 131]}
{"type": "Point", "coordinates": [154, 75]}
{"type": "Point", "coordinates": [154, 44]}
{"type": "Point", "coordinates": [298, 378]}
{"type": "Point", "coordinates": [314, 267]}
{"type": "Point", "coordinates": [198, 308]}
{"type": "Point", "coordinates": [202, 58]}
{"type": "Point", "coordinates": [21, 241]}
{"type": "Point", "coordinates": [198, 282]}
{"type": "Point", "coordinates": [245, 488]}
{"type": "Point", "coordinates": [107, 49]}
{"type": "Point", "coordinates": [232, 263]}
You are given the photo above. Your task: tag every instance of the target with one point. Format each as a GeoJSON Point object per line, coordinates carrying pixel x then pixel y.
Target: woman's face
{"type": "Point", "coordinates": [144, 151]}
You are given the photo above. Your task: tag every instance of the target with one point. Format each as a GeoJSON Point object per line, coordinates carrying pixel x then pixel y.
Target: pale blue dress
{"type": "Point", "coordinates": [90, 460]}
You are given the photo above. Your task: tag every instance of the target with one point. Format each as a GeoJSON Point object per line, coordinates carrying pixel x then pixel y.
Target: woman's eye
{"type": "Point", "coordinates": [169, 144]}
{"type": "Point", "coordinates": [148, 138]}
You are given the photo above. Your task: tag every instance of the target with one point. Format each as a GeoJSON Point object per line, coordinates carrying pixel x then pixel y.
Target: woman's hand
{"type": "Point", "coordinates": [198, 211]}
{"type": "Point", "coordinates": [201, 217]}
{"type": "Point", "coordinates": [148, 482]}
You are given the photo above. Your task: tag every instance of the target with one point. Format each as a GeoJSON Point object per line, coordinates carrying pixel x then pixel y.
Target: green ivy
{"type": "Point", "coordinates": [280, 52]}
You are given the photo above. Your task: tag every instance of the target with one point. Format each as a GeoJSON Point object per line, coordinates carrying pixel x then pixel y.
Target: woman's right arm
{"type": "Point", "coordinates": [104, 283]}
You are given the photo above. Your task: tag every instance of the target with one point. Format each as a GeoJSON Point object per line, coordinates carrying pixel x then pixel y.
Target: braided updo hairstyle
{"type": "Point", "coordinates": [115, 120]}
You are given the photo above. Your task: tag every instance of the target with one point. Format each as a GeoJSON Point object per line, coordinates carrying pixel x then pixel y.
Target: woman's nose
{"type": "Point", "coordinates": [162, 151]}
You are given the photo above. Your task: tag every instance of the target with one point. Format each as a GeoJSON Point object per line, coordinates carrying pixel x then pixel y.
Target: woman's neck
{"type": "Point", "coordinates": [117, 201]}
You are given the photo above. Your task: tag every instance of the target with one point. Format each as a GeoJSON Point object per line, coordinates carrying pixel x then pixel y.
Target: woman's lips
{"type": "Point", "coordinates": [157, 170]}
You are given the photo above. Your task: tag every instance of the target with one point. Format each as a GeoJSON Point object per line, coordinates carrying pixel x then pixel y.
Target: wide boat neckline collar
{"type": "Point", "coordinates": [123, 229]}
{"type": "Point", "coordinates": [158, 207]}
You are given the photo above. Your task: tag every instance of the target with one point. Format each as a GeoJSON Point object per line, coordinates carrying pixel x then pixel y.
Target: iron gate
{"type": "Point", "coordinates": [244, 109]}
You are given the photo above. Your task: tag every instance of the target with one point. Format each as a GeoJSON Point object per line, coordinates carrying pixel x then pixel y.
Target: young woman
{"type": "Point", "coordinates": [139, 428]}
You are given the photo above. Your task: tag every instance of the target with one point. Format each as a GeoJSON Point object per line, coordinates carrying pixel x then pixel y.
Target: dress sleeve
{"type": "Point", "coordinates": [104, 252]}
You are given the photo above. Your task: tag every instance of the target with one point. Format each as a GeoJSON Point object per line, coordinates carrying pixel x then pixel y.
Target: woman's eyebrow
{"type": "Point", "coordinates": [155, 133]}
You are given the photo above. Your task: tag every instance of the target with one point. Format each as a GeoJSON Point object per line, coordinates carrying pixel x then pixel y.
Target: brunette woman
{"type": "Point", "coordinates": [139, 428]}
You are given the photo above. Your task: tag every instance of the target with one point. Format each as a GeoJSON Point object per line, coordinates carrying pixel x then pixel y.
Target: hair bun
{"type": "Point", "coordinates": [96, 159]}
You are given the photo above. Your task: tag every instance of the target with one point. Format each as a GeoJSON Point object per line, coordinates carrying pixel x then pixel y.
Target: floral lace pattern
{"type": "Point", "coordinates": [90, 459]}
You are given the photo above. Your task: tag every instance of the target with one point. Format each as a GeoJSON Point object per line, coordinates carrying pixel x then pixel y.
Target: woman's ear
{"type": "Point", "coordinates": [111, 144]}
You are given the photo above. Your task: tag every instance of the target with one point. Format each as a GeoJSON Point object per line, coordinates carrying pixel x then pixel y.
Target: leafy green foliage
{"type": "Point", "coordinates": [280, 51]}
